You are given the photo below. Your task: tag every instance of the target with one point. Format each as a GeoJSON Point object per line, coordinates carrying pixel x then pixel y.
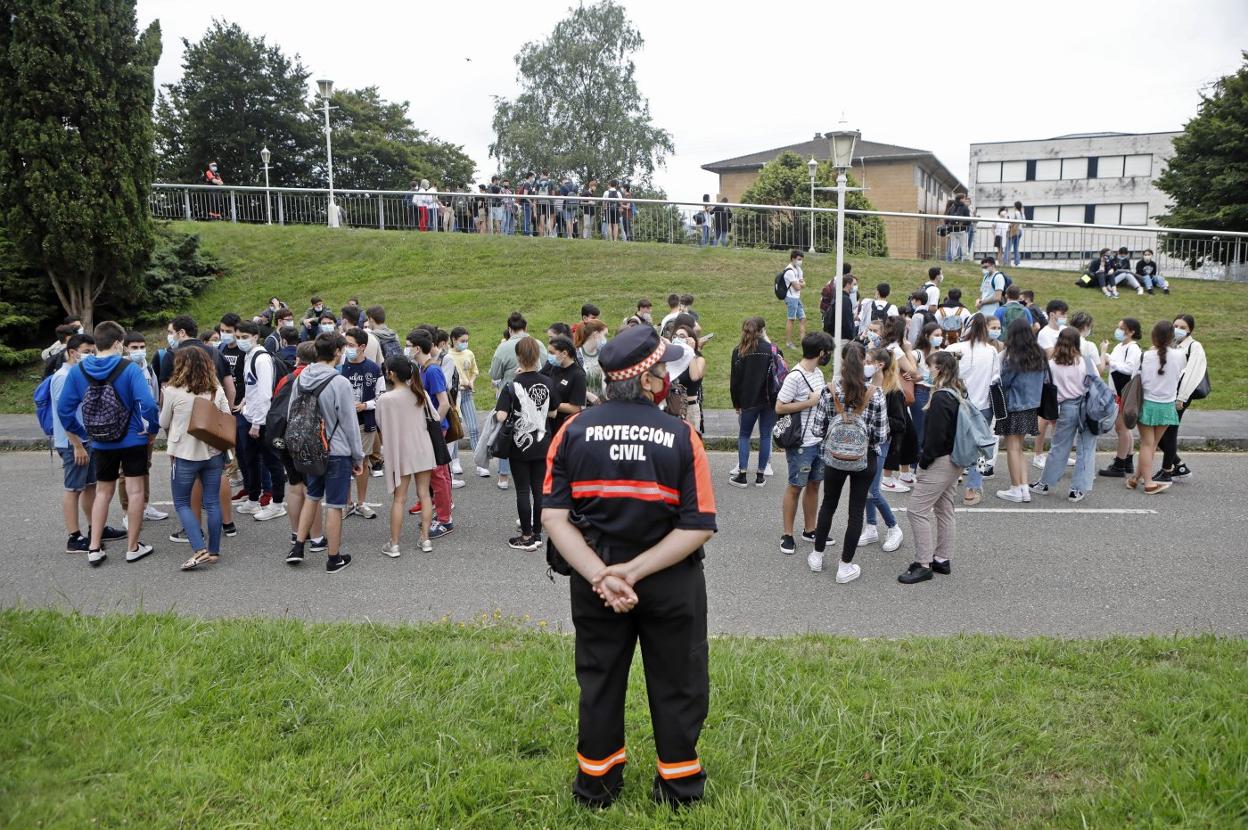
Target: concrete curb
{"type": "Point", "coordinates": [1198, 443]}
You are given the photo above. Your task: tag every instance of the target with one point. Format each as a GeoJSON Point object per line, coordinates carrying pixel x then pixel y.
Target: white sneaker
{"type": "Point", "coordinates": [151, 514]}
{"type": "Point", "coordinates": [483, 472]}
{"type": "Point", "coordinates": [767, 471]}
{"type": "Point", "coordinates": [815, 560]}
{"type": "Point", "coordinates": [377, 472]}
{"type": "Point", "coordinates": [1140, 291]}
{"type": "Point", "coordinates": [125, 522]}
{"type": "Point", "coordinates": [907, 478]}
{"type": "Point", "coordinates": [138, 553]}
{"type": "Point", "coordinates": [847, 572]}
{"type": "Point", "coordinates": [1011, 495]}
{"type": "Point", "coordinates": [457, 483]}
{"type": "Point", "coordinates": [456, 468]}
{"type": "Point", "coordinates": [426, 546]}
{"type": "Point", "coordinates": [248, 507]}
{"type": "Point", "coordinates": [892, 485]}
{"type": "Point", "coordinates": [1039, 460]}
{"type": "Point", "coordinates": [391, 550]}
{"type": "Point", "coordinates": [736, 468]}
{"type": "Point", "coordinates": [892, 540]}
{"type": "Point", "coordinates": [274, 510]}
{"type": "Point", "coordinates": [363, 511]}
{"type": "Point", "coordinates": [503, 485]}
{"type": "Point", "coordinates": [1070, 461]}
{"type": "Point", "coordinates": [870, 535]}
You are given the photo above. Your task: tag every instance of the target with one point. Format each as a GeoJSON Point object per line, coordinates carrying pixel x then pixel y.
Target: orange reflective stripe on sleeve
{"type": "Point", "coordinates": [682, 770]}
{"type": "Point", "coordinates": [548, 480]}
{"type": "Point", "coordinates": [702, 474]}
{"type": "Point", "coordinates": [600, 768]}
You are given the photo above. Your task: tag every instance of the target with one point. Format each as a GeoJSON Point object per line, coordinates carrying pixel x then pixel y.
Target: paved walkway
{"type": "Point", "coordinates": [1202, 429]}
{"type": "Point", "coordinates": [1118, 563]}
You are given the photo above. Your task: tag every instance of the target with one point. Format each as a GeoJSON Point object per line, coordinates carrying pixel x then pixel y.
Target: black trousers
{"type": "Point", "coordinates": [1169, 445]}
{"type": "Point", "coordinates": [255, 452]}
{"type": "Point", "coordinates": [859, 486]}
{"type": "Point", "coordinates": [528, 476]}
{"type": "Point", "coordinates": [670, 622]}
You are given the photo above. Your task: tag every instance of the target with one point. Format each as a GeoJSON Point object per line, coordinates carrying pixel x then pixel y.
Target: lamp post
{"type": "Point", "coordinates": [812, 167]}
{"type": "Point", "coordinates": [331, 210]}
{"type": "Point", "coordinates": [265, 155]}
{"type": "Point", "coordinates": [842, 143]}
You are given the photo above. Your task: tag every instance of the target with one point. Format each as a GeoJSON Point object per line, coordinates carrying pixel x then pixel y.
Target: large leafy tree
{"type": "Point", "coordinates": [785, 180]}
{"type": "Point", "coordinates": [1208, 175]}
{"type": "Point", "coordinates": [377, 146]}
{"type": "Point", "coordinates": [237, 94]}
{"type": "Point", "coordinates": [76, 165]}
{"type": "Point", "coordinates": [579, 110]}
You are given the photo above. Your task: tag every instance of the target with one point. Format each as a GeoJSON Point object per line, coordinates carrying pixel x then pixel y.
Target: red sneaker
{"type": "Point", "coordinates": [265, 498]}
{"type": "Point", "coordinates": [240, 495]}
{"type": "Point", "coordinates": [414, 510]}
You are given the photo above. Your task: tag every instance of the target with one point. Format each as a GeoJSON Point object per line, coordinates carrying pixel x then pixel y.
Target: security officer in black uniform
{"type": "Point", "coordinates": [627, 506]}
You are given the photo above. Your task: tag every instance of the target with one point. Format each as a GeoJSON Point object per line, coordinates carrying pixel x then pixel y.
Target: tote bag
{"type": "Point", "coordinates": [215, 428]}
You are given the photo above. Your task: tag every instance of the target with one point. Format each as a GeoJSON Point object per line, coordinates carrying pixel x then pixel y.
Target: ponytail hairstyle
{"type": "Point", "coordinates": [1067, 352]}
{"type": "Point", "coordinates": [1163, 334]}
{"type": "Point", "coordinates": [944, 375]}
{"type": "Point", "coordinates": [751, 334]}
{"type": "Point", "coordinates": [853, 383]}
{"type": "Point", "coordinates": [405, 371]}
{"type": "Point", "coordinates": [977, 330]}
{"type": "Point", "coordinates": [889, 378]}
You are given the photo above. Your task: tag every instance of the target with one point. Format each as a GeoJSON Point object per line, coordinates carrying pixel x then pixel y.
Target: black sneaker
{"type": "Point", "coordinates": [521, 542]}
{"type": "Point", "coordinates": [179, 536]}
{"type": "Point", "coordinates": [808, 536]}
{"type": "Point", "coordinates": [336, 563]}
{"type": "Point", "coordinates": [988, 472]}
{"type": "Point", "coordinates": [111, 533]}
{"type": "Point", "coordinates": [945, 567]}
{"type": "Point", "coordinates": [1163, 477]}
{"type": "Point", "coordinates": [1166, 291]}
{"type": "Point", "coordinates": [915, 573]}
{"type": "Point", "coordinates": [760, 479]}
{"type": "Point", "coordinates": [295, 557]}
{"type": "Point", "coordinates": [1151, 292]}
{"type": "Point", "coordinates": [318, 545]}
{"type": "Point", "coordinates": [1181, 473]}
{"type": "Point", "coordinates": [1117, 469]}
{"type": "Point", "coordinates": [1040, 488]}
{"type": "Point", "coordinates": [739, 480]}
{"type": "Point", "coordinates": [229, 529]}
{"type": "Point", "coordinates": [77, 543]}
{"type": "Point", "coordinates": [787, 546]}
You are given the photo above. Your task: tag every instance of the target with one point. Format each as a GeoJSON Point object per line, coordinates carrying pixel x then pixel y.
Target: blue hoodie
{"type": "Point", "coordinates": [132, 388]}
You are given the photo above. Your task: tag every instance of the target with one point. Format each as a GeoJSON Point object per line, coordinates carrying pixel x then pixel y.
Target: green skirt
{"type": "Point", "coordinates": [1155, 414]}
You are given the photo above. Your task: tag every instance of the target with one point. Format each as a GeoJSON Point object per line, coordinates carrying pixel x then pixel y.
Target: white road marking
{"type": "Point", "coordinates": [1109, 511]}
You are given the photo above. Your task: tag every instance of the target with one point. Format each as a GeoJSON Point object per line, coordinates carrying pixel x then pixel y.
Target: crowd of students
{"type": "Point", "coordinates": [400, 409]}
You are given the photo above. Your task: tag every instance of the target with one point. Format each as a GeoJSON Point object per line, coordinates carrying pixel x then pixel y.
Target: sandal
{"type": "Point", "coordinates": [202, 557]}
{"type": "Point", "coordinates": [1133, 482]}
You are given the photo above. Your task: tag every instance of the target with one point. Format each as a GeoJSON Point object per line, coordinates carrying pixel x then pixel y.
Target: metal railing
{"type": "Point", "coordinates": [1063, 246]}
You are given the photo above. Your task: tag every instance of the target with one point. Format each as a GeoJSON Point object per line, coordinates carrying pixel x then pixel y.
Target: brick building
{"type": "Point", "coordinates": [897, 178]}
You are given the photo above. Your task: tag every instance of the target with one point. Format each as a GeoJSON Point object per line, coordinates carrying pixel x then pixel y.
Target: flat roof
{"type": "Point", "coordinates": [1073, 137]}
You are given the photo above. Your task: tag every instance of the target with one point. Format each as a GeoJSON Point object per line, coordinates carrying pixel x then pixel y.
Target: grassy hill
{"type": "Point", "coordinates": [475, 281]}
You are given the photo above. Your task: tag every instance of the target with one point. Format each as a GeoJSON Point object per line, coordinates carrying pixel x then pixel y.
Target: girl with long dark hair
{"type": "Point", "coordinates": [1123, 364]}
{"type": "Point", "coordinates": [753, 393]}
{"type": "Point", "coordinates": [979, 365]}
{"type": "Point", "coordinates": [1022, 376]}
{"type": "Point", "coordinates": [1172, 467]}
{"type": "Point", "coordinates": [1161, 369]}
{"type": "Point", "coordinates": [1068, 367]}
{"type": "Point", "coordinates": [408, 449]}
{"type": "Point", "coordinates": [880, 371]}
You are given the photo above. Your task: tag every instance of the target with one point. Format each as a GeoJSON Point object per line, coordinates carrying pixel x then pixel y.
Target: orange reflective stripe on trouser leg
{"type": "Point", "coordinates": [681, 770]}
{"type": "Point", "coordinates": [599, 768]}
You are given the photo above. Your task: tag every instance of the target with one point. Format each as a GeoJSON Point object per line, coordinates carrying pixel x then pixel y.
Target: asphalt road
{"type": "Point", "coordinates": [1177, 566]}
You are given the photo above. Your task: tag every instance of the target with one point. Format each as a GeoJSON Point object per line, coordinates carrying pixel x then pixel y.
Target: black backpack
{"type": "Point", "coordinates": [279, 407]}
{"type": "Point", "coordinates": [104, 416]}
{"type": "Point", "coordinates": [280, 369]}
{"type": "Point", "coordinates": [878, 313]}
{"type": "Point", "coordinates": [782, 287]}
{"type": "Point", "coordinates": [304, 437]}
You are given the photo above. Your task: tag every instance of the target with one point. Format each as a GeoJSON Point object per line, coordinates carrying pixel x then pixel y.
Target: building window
{"type": "Point", "coordinates": [989, 172]}
{"type": "Point", "coordinates": [1048, 170]}
{"type": "Point", "coordinates": [1075, 169]}
{"type": "Point", "coordinates": [1071, 213]}
{"type": "Point", "coordinates": [1045, 213]}
{"type": "Point", "coordinates": [1139, 165]}
{"type": "Point", "coordinates": [1107, 214]}
{"type": "Point", "coordinates": [1135, 214]}
{"type": "Point", "coordinates": [1013, 171]}
{"type": "Point", "coordinates": [1109, 167]}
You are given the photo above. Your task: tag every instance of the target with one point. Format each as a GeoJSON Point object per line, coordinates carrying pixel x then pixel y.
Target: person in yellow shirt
{"type": "Point", "coordinates": [466, 363]}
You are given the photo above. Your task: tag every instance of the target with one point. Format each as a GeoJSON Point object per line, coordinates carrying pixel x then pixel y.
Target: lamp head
{"type": "Point", "coordinates": [813, 167]}
{"type": "Point", "coordinates": [265, 155]}
{"type": "Point", "coordinates": [842, 144]}
{"type": "Point", "coordinates": [326, 87]}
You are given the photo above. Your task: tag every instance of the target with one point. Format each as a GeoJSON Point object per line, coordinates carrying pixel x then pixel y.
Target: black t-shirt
{"type": "Point", "coordinates": [495, 189]}
{"type": "Point", "coordinates": [531, 414]}
{"type": "Point", "coordinates": [166, 366]}
{"type": "Point", "coordinates": [234, 359]}
{"type": "Point", "coordinates": [588, 206]}
{"type": "Point", "coordinates": [570, 385]}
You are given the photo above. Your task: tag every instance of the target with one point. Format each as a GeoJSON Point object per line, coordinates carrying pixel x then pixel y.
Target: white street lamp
{"type": "Point", "coordinates": [265, 155]}
{"type": "Point", "coordinates": [331, 210]}
{"type": "Point", "coordinates": [842, 145]}
{"type": "Point", "coordinates": [812, 167]}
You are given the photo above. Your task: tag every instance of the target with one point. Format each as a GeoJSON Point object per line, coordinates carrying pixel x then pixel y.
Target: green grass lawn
{"type": "Point", "coordinates": [475, 281]}
{"type": "Point", "coordinates": [159, 721]}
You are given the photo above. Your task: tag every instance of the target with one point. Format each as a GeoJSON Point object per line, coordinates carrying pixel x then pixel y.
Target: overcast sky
{"type": "Point", "coordinates": [728, 78]}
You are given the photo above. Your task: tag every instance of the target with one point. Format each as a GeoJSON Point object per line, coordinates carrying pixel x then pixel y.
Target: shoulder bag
{"type": "Point", "coordinates": [1048, 396]}
{"type": "Point", "coordinates": [790, 428]}
{"type": "Point", "coordinates": [215, 428]}
{"type": "Point", "coordinates": [1132, 401]}
{"type": "Point", "coordinates": [441, 455]}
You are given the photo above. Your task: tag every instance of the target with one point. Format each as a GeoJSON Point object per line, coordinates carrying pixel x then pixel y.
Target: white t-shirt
{"type": "Point", "coordinates": [1162, 388]}
{"type": "Point", "coordinates": [793, 276]}
{"type": "Point", "coordinates": [1000, 228]}
{"type": "Point", "coordinates": [865, 308]}
{"type": "Point", "coordinates": [933, 294]}
{"type": "Point", "coordinates": [989, 285]}
{"type": "Point", "coordinates": [1091, 352]}
{"type": "Point", "coordinates": [1125, 359]}
{"type": "Point", "coordinates": [978, 367]}
{"type": "Point", "coordinates": [795, 389]}
{"type": "Point", "coordinates": [1047, 337]}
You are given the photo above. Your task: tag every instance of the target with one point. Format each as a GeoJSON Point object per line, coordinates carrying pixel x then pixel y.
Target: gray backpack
{"type": "Point", "coordinates": [306, 439]}
{"type": "Point", "coordinates": [973, 439]}
{"type": "Point", "coordinates": [846, 442]}
{"type": "Point", "coordinates": [1100, 407]}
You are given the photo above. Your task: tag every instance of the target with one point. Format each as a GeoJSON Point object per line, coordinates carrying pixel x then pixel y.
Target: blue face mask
{"type": "Point", "coordinates": [227, 338]}
{"type": "Point", "coordinates": [1120, 335]}
{"type": "Point", "coordinates": [245, 345]}
{"type": "Point", "coordinates": [994, 334]}
{"type": "Point", "coordinates": [172, 339]}
{"type": "Point", "coordinates": [327, 327]}
{"type": "Point", "coordinates": [1179, 334]}
{"type": "Point", "coordinates": [551, 359]}
{"type": "Point", "coordinates": [138, 357]}
{"type": "Point", "coordinates": [350, 353]}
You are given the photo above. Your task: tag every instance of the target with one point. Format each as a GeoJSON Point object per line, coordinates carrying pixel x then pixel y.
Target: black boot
{"type": "Point", "coordinates": [1116, 470]}
{"type": "Point", "coordinates": [1128, 466]}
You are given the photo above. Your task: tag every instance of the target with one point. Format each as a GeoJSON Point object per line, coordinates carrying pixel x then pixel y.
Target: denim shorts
{"type": "Point", "coordinates": [333, 488]}
{"type": "Point", "coordinates": [805, 466]}
{"type": "Point", "coordinates": [77, 478]}
{"type": "Point", "coordinates": [796, 310]}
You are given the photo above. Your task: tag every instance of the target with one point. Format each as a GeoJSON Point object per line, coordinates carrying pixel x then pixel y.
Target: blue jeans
{"type": "Point", "coordinates": [1011, 248]}
{"type": "Point", "coordinates": [706, 234]}
{"type": "Point", "coordinates": [721, 239]}
{"type": "Point", "coordinates": [794, 309]}
{"type": "Point", "coordinates": [918, 413]}
{"type": "Point", "coordinates": [974, 478]}
{"type": "Point", "coordinates": [1155, 279]}
{"type": "Point", "coordinates": [468, 414]}
{"type": "Point", "coordinates": [527, 210]}
{"type": "Point", "coordinates": [509, 222]}
{"type": "Point", "coordinates": [765, 417]}
{"type": "Point", "coordinates": [875, 499]}
{"type": "Point", "coordinates": [182, 477]}
{"type": "Point", "coordinates": [1070, 431]}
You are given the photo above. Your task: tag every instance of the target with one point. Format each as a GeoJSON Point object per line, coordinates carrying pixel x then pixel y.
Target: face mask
{"type": "Point", "coordinates": [994, 334]}
{"type": "Point", "coordinates": [662, 395]}
{"type": "Point", "coordinates": [212, 167]}
{"type": "Point", "coordinates": [1179, 334]}
{"type": "Point", "coordinates": [1120, 335]}
{"type": "Point", "coordinates": [552, 359]}
{"type": "Point", "coordinates": [825, 358]}
{"type": "Point", "coordinates": [680, 340]}
{"type": "Point", "coordinates": [408, 353]}
{"type": "Point", "coordinates": [874, 338]}
{"type": "Point", "coordinates": [327, 327]}
{"type": "Point", "coordinates": [1061, 322]}
{"type": "Point", "coordinates": [138, 357]}
{"type": "Point", "coordinates": [351, 353]}
{"type": "Point", "coordinates": [227, 339]}
{"type": "Point", "coordinates": [936, 340]}
{"type": "Point", "coordinates": [1148, 259]}
{"type": "Point", "coordinates": [318, 308]}
{"type": "Point", "coordinates": [868, 371]}
{"type": "Point", "coordinates": [986, 271]}
{"type": "Point", "coordinates": [81, 330]}
{"type": "Point", "coordinates": [173, 340]}
{"type": "Point", "coordinates": [459, 347]}
{"type": "Point", "coordinates": [245, 345]}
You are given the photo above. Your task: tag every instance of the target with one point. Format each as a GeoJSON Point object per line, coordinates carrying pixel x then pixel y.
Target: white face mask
{"type": "Point", "coordinates": [327, 327]}
{"type": "Point", "coordinates": [138, 357]}
{"type": "Point", "coordinates": [868, 371]}
{"type": "Point", "coordinates": [1179, 334]}
{"type": "Point", "coordinates": [245, 345]}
